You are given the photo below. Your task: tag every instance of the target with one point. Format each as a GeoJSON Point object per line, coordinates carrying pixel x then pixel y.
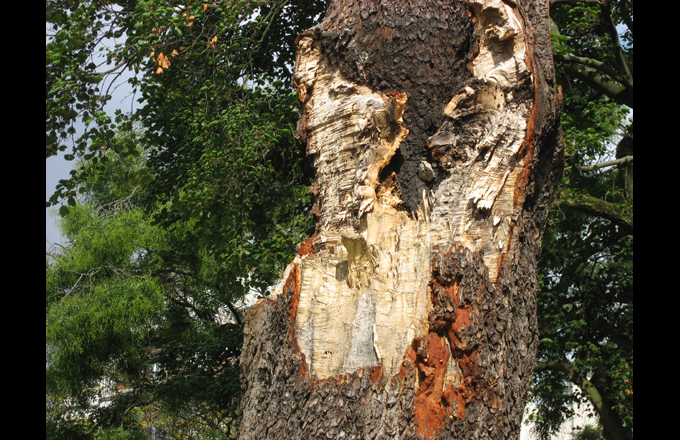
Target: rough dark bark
{"type": "Point", "coordinates": [465, 151]}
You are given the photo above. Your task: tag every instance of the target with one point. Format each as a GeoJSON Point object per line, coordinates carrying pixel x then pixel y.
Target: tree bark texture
{"type": "Point", "coordinates": [410, 314]}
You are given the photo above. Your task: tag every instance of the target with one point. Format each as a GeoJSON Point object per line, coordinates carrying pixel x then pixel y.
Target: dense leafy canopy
{"type": "Point", "coordinates": [217, 118]}
{"type": "Point", "coordinates": [175, 211]}
{"type": "Point", "coordinates": [585, 307]}
{"type": "Point", "coordinates": [133, 321]}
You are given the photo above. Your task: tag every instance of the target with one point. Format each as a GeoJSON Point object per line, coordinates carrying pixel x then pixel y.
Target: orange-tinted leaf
{"type": "Point", "coordinates": [163, 61]}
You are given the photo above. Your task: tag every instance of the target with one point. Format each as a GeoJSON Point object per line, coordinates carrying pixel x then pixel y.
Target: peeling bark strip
{"type": "Point", "coordinates": [410, 314]}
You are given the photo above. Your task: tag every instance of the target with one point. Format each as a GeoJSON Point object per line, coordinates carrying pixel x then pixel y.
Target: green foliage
{"type": "Point", "coordinates": [243, 179]}
{"type": "Point", "coordinates": [174, 212]}
{"type": "Point", "coordinates": [119, 434]}
{"type": "Point", "coordinates": [198, 58]}
{"type": "Point", "coordinates": [554, 404]}
{"type": "Point", "coordinates": [585, 313]}
{"type": "Point", "coordinates": [131, 316]}
{"type": "Point", "coordinates": [589, 432]}
{"type": "Point", "coordinates": [585, 307]}
{"type": "Point", "coordinates": [218, 118]}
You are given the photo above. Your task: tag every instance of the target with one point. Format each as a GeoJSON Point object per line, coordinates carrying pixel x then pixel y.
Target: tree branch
{"type": "Point", "coordinates": [170, 270]}
{"type": "Point", "coordinates": [626, 75]}
{"type": "Point", "coordinates": [599, 65]}
{"type": "Point", "coordinates": [625, 15]}
{"type": "Point", "coordinates": [200, 313]}
{"type": "Point", "coordinates": [554, 365]}
{"type": "Point", "coordinates": [608, 417]}
{"type": "Point", "coordinates": [594, 206]}
{"type": "Point", "coordinates": [269, 19]}
{"type": "Point", "coordinates": [621, 162]}
{"type": "Point", "coordinates": [595, 73]}
{"type": "Point", "coordinates": [595, 79]}
{"type": "Point", "coordinates": [114, 205]}
{"type": "Point", "coordinates": [111, 70]}
{"type": "Point", "coordinates": [235, 312]}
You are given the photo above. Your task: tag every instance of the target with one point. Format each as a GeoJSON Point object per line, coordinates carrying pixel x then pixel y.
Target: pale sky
{"type": "Point", "coordinates": [57, 168]}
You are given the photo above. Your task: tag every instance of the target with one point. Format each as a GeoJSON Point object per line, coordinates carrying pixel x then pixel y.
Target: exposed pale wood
{"type": "Point", "coordinates": [364, 294]}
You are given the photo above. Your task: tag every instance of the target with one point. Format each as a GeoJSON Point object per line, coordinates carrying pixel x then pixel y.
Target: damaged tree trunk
{"type": "Point", "coordinates": [410, 314]}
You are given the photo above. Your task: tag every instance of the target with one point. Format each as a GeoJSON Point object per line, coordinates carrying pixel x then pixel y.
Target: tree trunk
{"type": "Point", "coordinates": [410, 314]}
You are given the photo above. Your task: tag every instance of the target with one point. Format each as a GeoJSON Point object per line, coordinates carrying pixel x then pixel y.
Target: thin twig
{"type": "Point", "coordinates": [116, 203]}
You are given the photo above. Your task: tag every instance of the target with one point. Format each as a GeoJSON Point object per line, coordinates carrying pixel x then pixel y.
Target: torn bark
{"type": "Point", "coordinates": [411, 314]}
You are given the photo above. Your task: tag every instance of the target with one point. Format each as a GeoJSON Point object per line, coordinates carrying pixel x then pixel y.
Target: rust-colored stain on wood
{"type": "Point", "coordinates": [439, 400]}
{"type": "Point", "coordinates": [527, 147]}
{"type": "Point", "coordinates": [430, 414]}
{"type": "Point", "coordinates": [435, 398]}
{"type": "Point", "coordinates": [377, 374]}
{"type": "Point", "coordinates": [292, 285]}
{"type": "Point", "coordinates": [462, 320]}
{"type": "Point", "coordinates": [306, 247]}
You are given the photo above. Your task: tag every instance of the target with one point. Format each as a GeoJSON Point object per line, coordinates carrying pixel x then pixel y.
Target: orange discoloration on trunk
{"type": "Point", "coordinates": [463, 319]}
{"type": "Point", "coordinates": [468, 364]}
{"type": "Point", "coordinates": [526, 151]}
{"type": "Point", "coordinates": [437, 397]}
{"type": "Point", "coordinates": [527, 147]}
{"type": "Point", "coordinates": [306, 247]}
{"type": "Point", "coordinates": [430, 413]}
{"type": "Point", "coordinates": [293, 283]}
{"type": "Point", "coordinates": [456, 399]}
{"type": "Point", "coordinates": [377, 374]}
